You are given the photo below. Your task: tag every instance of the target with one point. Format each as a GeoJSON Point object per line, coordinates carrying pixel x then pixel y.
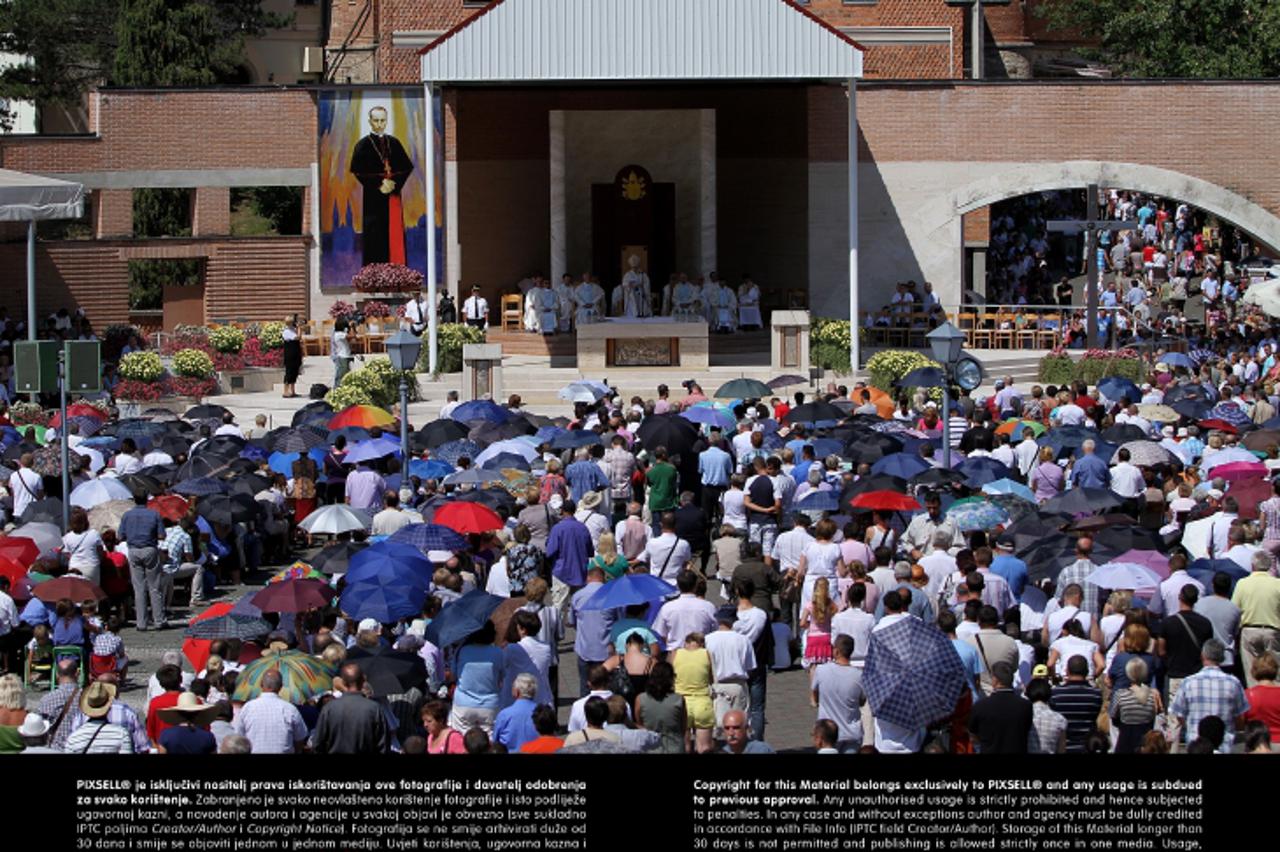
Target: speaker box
{"type": "Point", "coordinates": [84, 366]}
{"type": "Point", "coordinates": [35, 366]}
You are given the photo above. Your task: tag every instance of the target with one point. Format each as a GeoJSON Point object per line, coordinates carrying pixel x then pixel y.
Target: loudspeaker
{"type": "Point", "coordinates": [35, 366]}
{"type": "Point", "coordinates": [84, 366]}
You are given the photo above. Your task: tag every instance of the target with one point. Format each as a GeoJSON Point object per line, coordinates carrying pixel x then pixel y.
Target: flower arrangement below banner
{"type": "Point", "coordinates": [141, 366]}
{"type": "Point", "coordinates": [375, 310]}
{"type": "Point", "coordinates": [341, 309]}
{"type": "Point", "coordinates": [387, 278]}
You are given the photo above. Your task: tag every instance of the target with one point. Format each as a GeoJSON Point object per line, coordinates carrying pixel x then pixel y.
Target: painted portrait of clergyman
{"type": "Point", "coordinates": [382, 166]}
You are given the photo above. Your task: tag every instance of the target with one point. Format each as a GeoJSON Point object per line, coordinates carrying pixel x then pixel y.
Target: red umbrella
{"type": "Point", "coordinates": [197, 650]}
{"type": "Point", "coordinates": [171, 507]}
{"type": "Point", "coordinates": [79, 409]}
{"type": "Point", "coordinates": [1249, 493]}
{"type": "Point", "coordinates": [76, 588]}
{"type": "Point", "coordinates": [11, 569]}
{"type": "Point", "coordinates": [23, 551]}
{"type": "Point", "coordinates": [293, 596]}
{"type": "Point", "coordinates": [468, 518]}
{"type": "Point", "coordinates": [1220, 425]}
{"type": "Point", "coordinates": [885, 501]}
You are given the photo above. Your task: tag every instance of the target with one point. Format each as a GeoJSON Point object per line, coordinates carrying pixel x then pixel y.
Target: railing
{"type": "Point", "coordinates": [988, 326]}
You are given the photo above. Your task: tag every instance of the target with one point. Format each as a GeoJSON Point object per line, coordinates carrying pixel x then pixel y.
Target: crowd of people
{"type": "Point", "coordinates": [1092, 571]}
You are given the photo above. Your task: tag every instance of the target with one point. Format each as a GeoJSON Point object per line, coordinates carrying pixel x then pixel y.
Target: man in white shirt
{"type": "Point", "coordinates": [475, 310]}
{"type": "Point", "coordinates": [668, 554]}
{"type": "Point", "coordinates": [229, 426]}
{"type": "Point", "coordinates": [1127, 481]}
{"type": "Point", "coordinates": [416, 313]}
{"type": "Point", "coordinates": [451, 402]}
{"type": "Point", "coordinates": [855, 623]}
{"type": "Point", "coordinates": [391, 518]}
{"type": "Point", "coordinates": [938, 564]}
{"type": "Point", "coordinates": [790, 545]}
{"type": "Point", "coordinates": [684, 615]}
{"type": "Point", "coordinates": [732, 660]}
{"type": "Point", "coordinates": [1027, 451]}
{"type": "Point", "coordinates": [25, 485]}
{"type": "Point", "coordinates": [1220, 528]}
{"type": "Point", "coordinates": [1239, 552]}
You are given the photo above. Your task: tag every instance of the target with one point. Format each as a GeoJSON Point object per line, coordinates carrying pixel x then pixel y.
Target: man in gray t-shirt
{"type": "Point", "coordinates": [837, 693]}
{"type": "Point", "coordinates": [1222, 614]}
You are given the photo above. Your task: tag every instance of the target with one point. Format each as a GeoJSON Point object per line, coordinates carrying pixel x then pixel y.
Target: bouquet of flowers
{"type": "Point", "coordinates": [141, 366]}
{"type": "Point", "coordinates": [387, 278]}
{"type": "Point", "coordinates": [192, 363]}
{"type": "Point", "coordinates": [227, 338]}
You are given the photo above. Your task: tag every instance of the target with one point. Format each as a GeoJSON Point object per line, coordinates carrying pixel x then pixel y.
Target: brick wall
{"type": "Point", "coordinates": [977, 225]}
{"type": "Point", "coordinates": [148, 129]}
{"type": "Point", "coordinates": [211, 211]}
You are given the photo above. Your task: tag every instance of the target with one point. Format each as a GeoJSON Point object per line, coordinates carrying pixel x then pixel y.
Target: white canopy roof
{"type": "Point", "coordinates": [526, 41]}
{"type": "Point", "coordinates": [25, 197]}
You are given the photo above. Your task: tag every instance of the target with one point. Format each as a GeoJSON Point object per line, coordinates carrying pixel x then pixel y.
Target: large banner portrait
{"type": "Point", "coordinates": [373, 183]}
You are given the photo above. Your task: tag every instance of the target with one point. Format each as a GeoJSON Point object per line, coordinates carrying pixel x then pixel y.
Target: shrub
{"type": "Point", "coordinates": [829, 344]}
{"type": "Point", "coordinates": [141, 366]}
{"type": "Point", "coordinates": [1058, 367]}
{"type": "Point", "coordinates": [270, 336]}
{"type": "Point", "coordinates": [380, 382]}
{"type": "Point", "coordinates": [191, 386]}
{"type": "Point", "coordinates": [227, 338]}
{"type": "Point", "coordinates": [887, 366]}
{"type": "Point", "coordinates": [450, 338]}
{"type": "Point", "coordinates": [192, 363]}
{"type": "Point", "coordinates": [346, 395]}
{"type": "Point", "coordinates": [28, 414]}
{"type": "Point", "coordinates": [387, 278]}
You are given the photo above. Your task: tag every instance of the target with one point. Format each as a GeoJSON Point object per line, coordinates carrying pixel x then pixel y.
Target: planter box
{"type": "Point", "coordinates": [177, 404]}
{"type": "Point", "coordinates": [250, 380]}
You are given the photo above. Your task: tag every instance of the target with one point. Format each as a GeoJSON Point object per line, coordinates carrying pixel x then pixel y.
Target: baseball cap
{"type": "Point", "coordinates": [1040, 671]}
{"type": "Point", "coordinates": [368, 624]}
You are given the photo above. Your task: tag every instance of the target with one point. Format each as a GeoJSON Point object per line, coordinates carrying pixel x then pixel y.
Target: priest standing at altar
{"type": "Point", "coordinates": [749, 303]}
{"type": "Point", "coordinates": [564, 293]}
{"type": "Point", "coordinates": [636, 299]}
{"type": "Point", "coordinates": [724, 316]}
{"type": "Point", "coordinates": [545, 306]}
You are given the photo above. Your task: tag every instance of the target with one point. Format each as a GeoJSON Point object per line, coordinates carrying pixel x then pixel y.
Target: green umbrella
{"type": "Point", "coordinates": [744, 389]}
{"type": "Point", "coordinates": [305, 677]}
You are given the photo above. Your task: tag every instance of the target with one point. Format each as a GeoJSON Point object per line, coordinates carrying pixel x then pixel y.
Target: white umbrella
{"type": "Point", "coordinates": [29, 198]}
{"type": "Point", "coordinates": [96, 491]}
{"type": "Point", "coordinates": [515, 446]}
{"type": "Point", "coordinates": [1266, 296]}
{"type": "Point", "coordinates": [106, 516]}
{"type": "Point", "coordinates": [1227, 456]}
{"type": "Point", "coordinates": [335, 520]}
{"type": "Point", "coordinates": [1195, 538]}
{"type": "Point", "coordinates": [1123, 575]}
{"type": "Point", "coordinates": [96, 461]}
{"type": "Point", "coordinates": [582, 392]}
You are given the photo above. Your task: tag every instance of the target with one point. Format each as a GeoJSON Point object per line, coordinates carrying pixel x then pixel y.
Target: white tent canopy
{"type": "Point", "coordinates": [25, 198]}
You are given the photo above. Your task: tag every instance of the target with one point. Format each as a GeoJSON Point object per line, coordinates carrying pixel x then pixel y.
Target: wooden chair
{"type": "Point", "coordinates": [1049, 332]}
{"type": "Point", "coordinates": [1025, 330]}
{"type": "Point", "coordinates": [512, 311]}
{"type": "Point", "coordinates": [918, 327]}
{"type": "Point", "coordinates": [311, 339]}
{"type": "Point", "coordinates": [797, 299]}
{"type": "Point", "coordinates": [968, 323]}
{"type": "Point", "coordinates": [376, 335]}
{"type": "Point", "coordinates": [1004, 336]}
{"type": "Point", "coordinates": [326, 335]}
{"type": "Point", "coordinates": [984, 331]}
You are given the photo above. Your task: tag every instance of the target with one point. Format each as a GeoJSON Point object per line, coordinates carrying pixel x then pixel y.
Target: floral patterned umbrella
{"type": "Point", "coordinates": [305, 677]}
{"type": "Point", "coordinates": [297, 571]}
{"type": "Point", "coordinates": [976, 513]}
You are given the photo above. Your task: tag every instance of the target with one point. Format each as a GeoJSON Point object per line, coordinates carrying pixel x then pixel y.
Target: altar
{"type": "Point", "coordinates": [643, 342]}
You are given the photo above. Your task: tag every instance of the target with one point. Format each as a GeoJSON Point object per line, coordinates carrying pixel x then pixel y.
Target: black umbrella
{"type": "Point", "coordinates": [667, 430]}
{"type": "Point", "coordinates": [1029, 533]}
{"type": "Point", "coordinates": [142, 484]}
{"type": "Point", "coordinates": [135, 428]}
{"type": "Point", "coordinates": [206, 412]}
{"type": "Point", "coordinates": [48, 510]}
{"type": "Point", "coordinates": [936, 476]}
{"type": "Point", "coordinates": [1129, 537]}
{"type": "Point", "coordinates": [1178, 393]}
{"type": "Point", "coordinates": [492, 497]}
{"type": "Point", "coordinates": [200, 466]}
{"type": "Point", "coordinates": [1122, 433]}
{"type": "Point", "coordinates": [160, 415]}
{"type": "Point", "coordinates": [247, 484]}
{"type": "Point", "coordinates": [243, 465]}
{"type": "Point", "coordinates": [230, 626]}
{"type": "Point", "coordinates": [491, 433]}
{"type": "Point", "coordinates": [19, 449]}
{"type": "Point", "coordinates": [1082, 501]}
{"type": "Point", "coordinates": [174, 445]}
{"type": "Point", "coordinates": [390, 672]}
{"type": "Point", "coordinates": [814, 412]}
{"type": "Point", "coordinates": [228, 510]}
{"type": "Point", "coordinates": [165, 474]}
{"type": "Point", "coordinates": [513, 461]}
{"type": "Point", "coordinates": [438, 432]}
{"type": "Point", "coordinates": [313, 412]}
{"type": "Point", "coordinates": [922, 377]}
{"type": "Point", "coordinates": [298, 441]}
{"type": "Point", "coordinates": [786, 381]}
{"type": "Point", "coordinates": [228, 446]}
{"type": "Point", "coordinates": [334, 558]}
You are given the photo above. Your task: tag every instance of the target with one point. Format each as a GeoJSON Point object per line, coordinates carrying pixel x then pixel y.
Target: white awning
{"type": "Point", "coordinates": [25, 197]}
{"type": "Point", "coordinates": [549, 41]}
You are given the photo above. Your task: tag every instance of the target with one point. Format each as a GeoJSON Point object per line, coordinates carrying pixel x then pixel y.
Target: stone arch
{"type": "Point", "coordinates": [1010, 181]}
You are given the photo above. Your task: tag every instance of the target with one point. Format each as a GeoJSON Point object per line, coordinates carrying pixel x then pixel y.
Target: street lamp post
{"type": "Point", "coordinates": [403, 349]}
{"type": "Point", "coordinates": [947, 343]}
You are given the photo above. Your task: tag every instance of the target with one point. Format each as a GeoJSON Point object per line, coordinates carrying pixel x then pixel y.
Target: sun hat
{"type": "Point", "coordinates": [188, 709]}
{"type": "Point", "coordinates": [95, 701]}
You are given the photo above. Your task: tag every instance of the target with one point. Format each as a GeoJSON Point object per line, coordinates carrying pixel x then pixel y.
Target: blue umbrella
{"type": "Point", "coordinates": [900, 464]}
{"type": "Point", "coordinates": [575, 439]}
{"type": "Point", "coordinates": [922, 377]}
{"type": "Point", "coordinates": [384, 603]}
{"type": "Point", "coordinates": [481, 409]}
{"type": "Point", "coordinates": [461, 618]}
{"type": "Point", "coordinates": [390, 561]}
{"type": "Point", "coordinates": [913, 675]}
{"type": "Point", "coordinates": [508, 461]}
{"type": "Point", "coordinates": [1231, 413]}
{"type": "Point", "coordinates": [1204, 569]}
{"type": "Point", "coordinates": [1115, 387]}
{"type": "Point", "coordinates": [1008, 486]}
{"type": "Point", "coordinates": [474, 476]}
{"type": "Point", "coordinates": [818, 501]}
{"type": "Point", "coordinates": [630, 589]}
{"type": "Point", "coordinates": [823, 447]}
{"type": "Point", "coordinates": [430, 468]}
{"type": "Point", "coordinates": [1178, 359]}
{"type": "Point", "coordinates": [976, 514]}
{"type": "Point", "coordinates": [376, 448]}
{"type": "Point", "coordinates": [710, 417]}
{"type": "Point", "coordinates": [426, 537]}
{"type": "Point", "coordinates": [455, 450]}
{"type": "Point", "coordinates": [254, 453]}
{"type": "Point", "coordinates": [351, 433]}
{"type": "Point", "coordinates": [283, 462]}
{"type": "Point", "coordinates": [202, 486]}
{"type": "Point", "coordinates": [1194, 409]}
{"type": "Point", "coordinates": [979, 471]}
{"type": "Point", "coordinates": [547, 434]}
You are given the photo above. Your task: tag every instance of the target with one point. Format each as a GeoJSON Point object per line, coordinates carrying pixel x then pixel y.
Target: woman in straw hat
{"type": "Point", "coordinates": [190, 719]}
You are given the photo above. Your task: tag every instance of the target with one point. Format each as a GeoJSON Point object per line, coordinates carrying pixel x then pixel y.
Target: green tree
{"type": "Point", "coordinates": [1175, 38]}
{"type": "Point", "coordinates": [160, 213]}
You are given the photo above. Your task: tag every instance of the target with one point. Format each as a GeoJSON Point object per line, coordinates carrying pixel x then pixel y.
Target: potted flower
{"type": "Point", "coordinates": [385, 278]}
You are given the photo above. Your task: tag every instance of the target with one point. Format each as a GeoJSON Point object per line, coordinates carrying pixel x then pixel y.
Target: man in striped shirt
{"type": "Point", "coordinates": [1079, 702]}
{"type": "Point", "coordinates": [98, 735]}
